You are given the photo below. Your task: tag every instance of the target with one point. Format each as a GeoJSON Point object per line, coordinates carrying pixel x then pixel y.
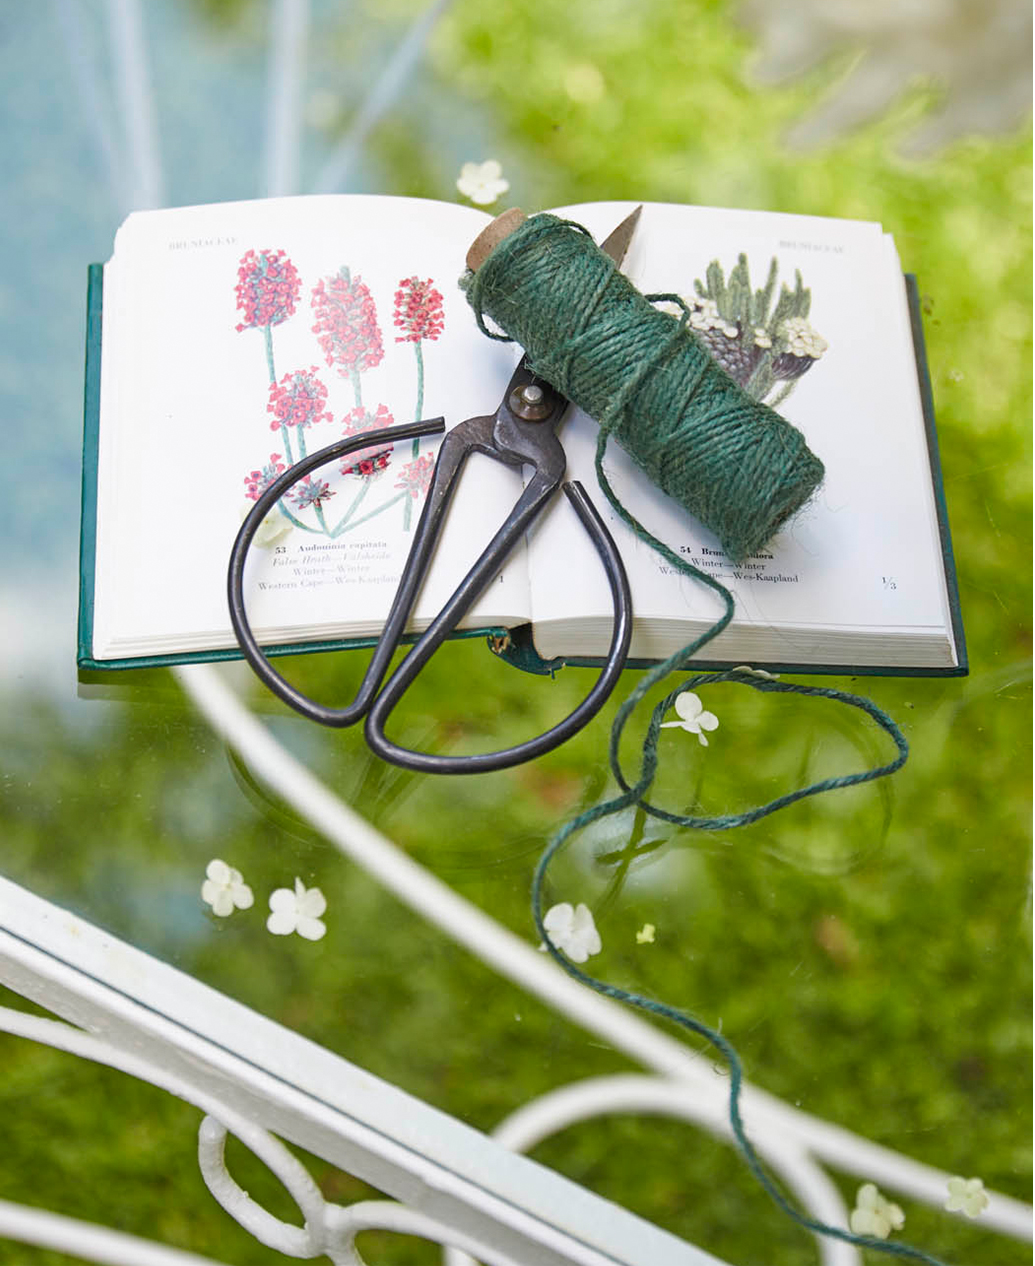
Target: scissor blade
{"type": "Point", "coordinates": [617, 242]}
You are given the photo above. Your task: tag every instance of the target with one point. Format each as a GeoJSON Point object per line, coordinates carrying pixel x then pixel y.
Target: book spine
{"type": "Point", "coordinates": [91, 436]}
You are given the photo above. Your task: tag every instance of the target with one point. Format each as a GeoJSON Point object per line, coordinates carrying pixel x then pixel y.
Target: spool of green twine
{"type": "Point", "coordinates": [735, 464]}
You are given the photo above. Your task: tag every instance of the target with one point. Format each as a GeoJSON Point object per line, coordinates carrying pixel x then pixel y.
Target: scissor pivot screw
{"type": "Point", "coordinates": [530, 402]}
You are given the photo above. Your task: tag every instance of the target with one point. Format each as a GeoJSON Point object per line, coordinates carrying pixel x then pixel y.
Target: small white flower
{"type": "Point", "coordinates": [756, 672]}
{"type": "Point", "coordinates": [224, 889]}
{"type": "Point", "coordinates": [693, 716]}
{"type": "Point", "coordinates": [271, 529]}
{"type": "Point", "coordinates": [873, 1215]}
{"type": "Point", "coordinates": [482, 182]}
{"type": "Point", "coordinates": [645, 936]}
{"type": "Point", "coordinates": [967, 1195]}
{"type": "Point", "coordinates": [762, 339]}
{"type": "Point", "coordinates": [800, 339]}
{"type": "Point", "coordinates": [572, 930]}
{"type": "Point", "coordinates": [730, 331]}
{"type": "Point", "coordinates": [298, 911]}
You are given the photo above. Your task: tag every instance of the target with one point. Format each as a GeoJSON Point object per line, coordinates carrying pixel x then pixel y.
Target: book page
{"type": "Point", "coordinates": [238, 338]}
{"type": "Point", "coordinates": [864, 553]}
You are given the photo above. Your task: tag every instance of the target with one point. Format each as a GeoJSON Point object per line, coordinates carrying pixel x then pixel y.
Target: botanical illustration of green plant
{"type": "Point", "coordinates": [765, 352]}
{"type": "Point", "coordinates": [348, 334]}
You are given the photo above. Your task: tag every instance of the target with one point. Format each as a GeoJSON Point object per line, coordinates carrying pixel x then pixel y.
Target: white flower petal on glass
{"type": "Point", "coordinates": [864, 1222]}
{"type": "Point", "coordinates": [218, 871]}
{"type": "Point", "coordinates": [224, 889]}
{"type": "Point", "coordinates": [311, 929]}
{"type": "Point", "coordinates": [557, 920]}
{"type": "Point", "coordinates": [693, 717]}
{"type": "Point", "coordinates": [967, 1196]}
{"type": "Point", "coordinates": [483, 183]}
{"type": "Point", "coordinates": [585, 939]}
{"type": "Point", "coordinates": [874, 1215]}
{"type": "Point", "coordinates": [241, 893]}
{"type": "Point", "coordinates": [297, 910]}
{"type": "Point", "coordinates": [645, 936]}
{"type": "Point", "coordinates": [311, 902]}
{"type": "Point", "coordinates": [218, 898]}
{"type": "Point", "coordinates": [284, 916]}
{"type": "Point", "coordinates": [572, 930]}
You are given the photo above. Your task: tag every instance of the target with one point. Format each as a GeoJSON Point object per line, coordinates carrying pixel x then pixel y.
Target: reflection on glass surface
{"type": "Point", "coordinates": [867, 953]}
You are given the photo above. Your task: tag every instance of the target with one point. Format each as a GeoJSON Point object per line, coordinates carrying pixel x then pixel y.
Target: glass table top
{"type": "Point", "coordinates": [868, 953]}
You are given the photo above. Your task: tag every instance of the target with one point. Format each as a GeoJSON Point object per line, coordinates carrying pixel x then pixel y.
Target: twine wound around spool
{"type": "Point", "coordinates": [735, 464]}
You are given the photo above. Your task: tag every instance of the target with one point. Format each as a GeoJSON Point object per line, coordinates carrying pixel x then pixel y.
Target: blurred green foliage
{"type": "Point", "coordinates": [868, 953]}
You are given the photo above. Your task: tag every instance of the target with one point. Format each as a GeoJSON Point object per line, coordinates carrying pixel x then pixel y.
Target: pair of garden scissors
{"type": "Point", "coordinates": [521, 432]}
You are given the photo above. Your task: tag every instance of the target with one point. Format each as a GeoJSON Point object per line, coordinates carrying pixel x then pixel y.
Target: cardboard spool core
{"type": "Point", "coordinates": [491, 236]}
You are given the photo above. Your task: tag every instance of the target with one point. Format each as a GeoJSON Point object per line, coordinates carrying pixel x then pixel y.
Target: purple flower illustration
{"type": "Point", "coordinates": [311, 492]}
{"type": "Point", "coordinates": [418, 310]}
{"type": "Point", "coordinates": [267, 289]}
{"type": "Point", "coordinates": [298, 400]}
{"type": "Point", "coordinates": [256, 483]}
{"type": "Point", "coordinates": [367, 461]}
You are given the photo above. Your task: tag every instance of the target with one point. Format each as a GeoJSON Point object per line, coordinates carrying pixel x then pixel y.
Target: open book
{"type": "Point", "coordinates": [227, 341]}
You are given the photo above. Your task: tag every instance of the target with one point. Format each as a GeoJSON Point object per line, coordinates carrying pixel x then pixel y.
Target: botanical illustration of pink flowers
{"type": "Point", "coordinates": [311, 492]}
{"type": "Point", "coordinates": [257, 481]}
{"type": "Point", "coordinates": [267, 288]}
{"type": "Point", "coordinates": [367, 461]}
{"type": "Point", "coordinates": [415, 478]}
{"type": "Point", "coordinates": [348, 333]}
{"type": "Point", "coordinates": [267, 291]}
{"type": "Point", "coordinates": [346, 326]}
{"type": "Point", "coordinates": [418, 310]}
{"type": "Point", "coordinates": [418, 313]}
{"type": "Point", "coordinates": [297, 401]}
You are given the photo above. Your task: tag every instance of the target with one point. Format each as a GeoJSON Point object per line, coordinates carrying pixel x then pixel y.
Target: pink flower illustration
{"type": "Point", "coordinates": [367, 461]}
{"type": "Point", "coordinates": [256, 483]}
{"type": "Point", "coordinates": [369, 466]}
{"type": "Point", "coordinates": [298, 400]}
{"type": "Point", "coordinates": [346, 323]}
{"type": "Point", "coordinates": [267, 288]}
{"type": "Point", "coordinates": [311, 492]}
{"type": "Point", "coordinates": [416, 476]}
{"type": "Point", "coordinates": [418, 310]}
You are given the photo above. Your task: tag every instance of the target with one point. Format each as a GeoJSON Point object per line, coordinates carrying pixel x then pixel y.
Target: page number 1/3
{"type": "Point", "coordinates": [888, 582]}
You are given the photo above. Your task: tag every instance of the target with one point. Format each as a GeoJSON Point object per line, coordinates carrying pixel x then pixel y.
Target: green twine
{"type": "Point", "coordinates": [736, 465]}
{"type": "Point", "coordinates": [635, 793]}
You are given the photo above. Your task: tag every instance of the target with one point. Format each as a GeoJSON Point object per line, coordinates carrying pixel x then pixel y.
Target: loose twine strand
{"type": "Point", "coordinates": [575, 364]}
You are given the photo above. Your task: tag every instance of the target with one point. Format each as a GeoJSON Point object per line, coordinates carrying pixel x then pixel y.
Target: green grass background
{"type": "Point", "coordinates": [868, 953]}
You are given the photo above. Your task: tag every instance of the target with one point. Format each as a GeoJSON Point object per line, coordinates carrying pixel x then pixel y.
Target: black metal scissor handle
{"type": "Point", "coordinates": [475, 435]}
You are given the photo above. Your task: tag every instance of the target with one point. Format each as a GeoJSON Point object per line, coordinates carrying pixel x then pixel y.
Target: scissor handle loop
{"type": "Point", "coordinates": [484, 762]}
{"type": "Point", "coordinates": [250, 648]}
{"type": "Point", "coordinates": [377, 710]}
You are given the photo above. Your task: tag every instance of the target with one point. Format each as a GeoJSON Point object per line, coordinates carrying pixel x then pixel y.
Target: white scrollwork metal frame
{"type": "Point", "coordinates": [451, 1185]}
